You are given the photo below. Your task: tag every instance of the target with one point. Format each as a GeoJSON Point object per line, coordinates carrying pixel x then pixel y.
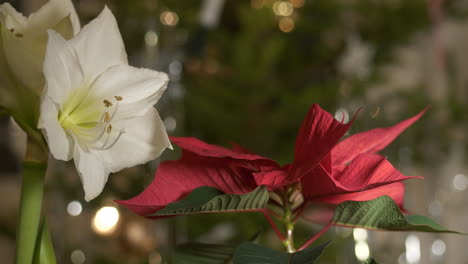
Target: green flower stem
{"type": "Point", "coordinates": [32, 189]}
{"type": "Point", "coordinates": [288, 223]}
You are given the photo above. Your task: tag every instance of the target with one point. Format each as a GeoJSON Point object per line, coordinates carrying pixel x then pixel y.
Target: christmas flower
{"type": "Point", "coordinates": [96, 108]}
{"type": "Point", "coordinates": [24, 39]}
{"type": "Point", "coordinates": [22, 49]}
{"type": "Point", "coordinates": [327, 171]}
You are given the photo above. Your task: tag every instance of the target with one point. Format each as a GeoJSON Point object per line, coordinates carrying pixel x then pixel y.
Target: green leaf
{"type": "Point", "coordinates": [383, 213]}
{"type": "Point", "coordinates": [250, 253]}
{"type": "Point", "coordinates": [211, 200]}
{"type": "Point", "coordinates": [44, 251]}
{"type": "Point", "coordinates": [200, 253]}
{"type": "Point", "coordinates": [371, 261]}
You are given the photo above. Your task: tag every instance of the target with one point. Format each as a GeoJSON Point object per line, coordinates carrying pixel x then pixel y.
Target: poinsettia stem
{"type": "Point", "coordinates": [34, 168]}
{"type": "Point", "coordinates": [315, 237]}
{"type": "Point", "coordinates": [288, 223]}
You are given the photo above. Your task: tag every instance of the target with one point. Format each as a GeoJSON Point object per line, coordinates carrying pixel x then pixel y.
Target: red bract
{"type": "Point", "coordinates": [329, 172]}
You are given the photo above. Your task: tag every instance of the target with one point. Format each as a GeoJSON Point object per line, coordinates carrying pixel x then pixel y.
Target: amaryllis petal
{"type": "Point", "coordinates": [318, 134]}
{"type": "Point", "coordinates": [61, 68]}
{"type": "Point", "coordinates": [367, 171]}
{"type": "Point", "coordinates": [100, 32]}
{"type": "Point", "coordinates": [59, 142]}
{"type": "Point", "coordinates": [395, 190]}
{"type": "Point", "coordinates": [370, 141]}
{"type": "Point", "coordinates": [24, 39]}
{"type": "Point", "coordinates": [92, 172]}
{"type": "Point", "coordinates": [176, 179]}
{"type": "Point", "coordinates": [144, 138]}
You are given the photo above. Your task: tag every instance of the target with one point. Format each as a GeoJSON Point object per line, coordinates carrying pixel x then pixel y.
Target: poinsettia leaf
{"type": "Point", "coordinates": [201, 253]}
{"type": "Point", "coordinates": [371, 261]}
{"type": "Point", "coordinates": [383, 213]}
{"type": "Point", "coordinates": [251, 253]}
{"type": "Point", "coordinates": [211, 200]}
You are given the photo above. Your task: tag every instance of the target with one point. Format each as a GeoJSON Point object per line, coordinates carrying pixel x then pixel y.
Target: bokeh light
{"type": "Point", "coordinates": [438, 247]}
{"type": "Point", "coordinates": [413, 249]}
{"type": "Point", "coordinates": [297, 3]}
{"type": "Point", "coordinates": [282, 8]}
{"type": "Point", "coordinates": [151, 38]}
{"type": "Point", "coordinates": [74, 208]}
{"type": "Point", "coordinates": [362, 251]}
{"type": "Point", "coordinates": [360, 234]}
{"type": "Point", "coordinates": [169, 18]}
{"type": "Point", "coordinates": [460, 182]}
{"type": "Point", "coordinates": [342, 115]}
{"type": "Point", "coordinates": [170, 123]}
{"type": "Point", "coordinates": [105, 220]}
{"type": "Point", "coordinates": [286, 24]}
{"type": "Point", "coordinates": [78, 257]}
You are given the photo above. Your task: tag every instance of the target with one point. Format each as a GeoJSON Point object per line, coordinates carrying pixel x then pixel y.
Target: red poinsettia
{"type": "Point", "coordinates": [328, 171]}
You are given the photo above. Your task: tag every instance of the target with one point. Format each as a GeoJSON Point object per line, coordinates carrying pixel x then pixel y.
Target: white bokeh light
{"type": "Point", "coordinates": [105, 220]}
{"type": "Point", "coordinates": [360, 234]}
{"type": "Point", "coordinates": [170, 123]}
{"type": "Point", "coordinates": [342, 115]}
{"type": "Point", "coordinates": [77, 257]}
{"type": "Point", "coordinates": [413, 249]}
{"type": "Point", "coordinates": [175, 68]}
{"type": "Point", "coordinates": [361, 249]}
{"type": "Point", "coordinates": [438, 247]}
{"type": "Point", "coordinates": [460, 182]}
{"type": "Point", "coordinates": [151, 38]}
{"type": "Point", "coordinates": [74, 208]}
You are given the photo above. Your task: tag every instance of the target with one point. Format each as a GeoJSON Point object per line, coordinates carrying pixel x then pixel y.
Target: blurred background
{"type": "Point", "coordinates": [247, 72]}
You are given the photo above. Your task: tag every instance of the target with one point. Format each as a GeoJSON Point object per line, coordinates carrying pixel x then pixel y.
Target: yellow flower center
{"type": "Point", "coordinates": [88, 119]}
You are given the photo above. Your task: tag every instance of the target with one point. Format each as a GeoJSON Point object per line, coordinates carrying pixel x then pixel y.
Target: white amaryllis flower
{"type": "Point", "coordinates": [24, 39]}
{"type": "Point", "coordinates": [96, 108]}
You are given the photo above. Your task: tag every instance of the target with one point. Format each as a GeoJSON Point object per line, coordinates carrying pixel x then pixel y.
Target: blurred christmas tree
{"type": "Point", "coordinates": [247, 72]}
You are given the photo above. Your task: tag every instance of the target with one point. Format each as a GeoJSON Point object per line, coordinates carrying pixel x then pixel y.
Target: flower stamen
{"type": "Point", "coordinates": [107, 103]}
{"type": "Point", "coordinates": [107, 117]}
{"type": "Point", "coordinates": [109, 128]}
{"type": "Point", "coordinates": [118, 98]}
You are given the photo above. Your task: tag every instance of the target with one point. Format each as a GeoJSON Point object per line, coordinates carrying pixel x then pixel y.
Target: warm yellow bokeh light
{"type": "Point", "coordinates": [286, 24]}
{"type": "Point", "coordinates": [169, 18]}
{"type": "Point", "coordinates": [297, 3]}
{"type": "Point", "coordinates": [282, 8]}
{"type": "Point", "coordinates": [105, 220]}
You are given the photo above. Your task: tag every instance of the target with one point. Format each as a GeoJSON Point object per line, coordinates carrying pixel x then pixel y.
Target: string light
{"type": "Point", "coordinates": [105, 220]}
